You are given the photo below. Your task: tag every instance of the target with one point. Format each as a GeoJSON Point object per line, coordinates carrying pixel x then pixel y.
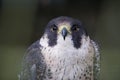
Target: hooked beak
{"type": "Point", "coordinates": [64, 33]}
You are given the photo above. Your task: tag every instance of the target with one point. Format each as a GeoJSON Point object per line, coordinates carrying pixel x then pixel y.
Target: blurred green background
{"type": "Point", "coordinates": [23, 21]}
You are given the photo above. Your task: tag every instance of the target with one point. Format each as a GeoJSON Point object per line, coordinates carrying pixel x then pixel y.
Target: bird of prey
{"type": "Point", "coordinates": [64, 52]}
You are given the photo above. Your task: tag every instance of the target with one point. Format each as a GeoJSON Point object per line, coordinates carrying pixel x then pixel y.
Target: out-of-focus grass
{"type": "Point", "coordinates": [110, 64]}
{"type": "Point", "coordinates": [10, 61]}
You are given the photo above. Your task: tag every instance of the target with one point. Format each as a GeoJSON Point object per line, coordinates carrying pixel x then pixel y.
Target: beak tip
{"type": "Point", "coordinates": [64, 38]}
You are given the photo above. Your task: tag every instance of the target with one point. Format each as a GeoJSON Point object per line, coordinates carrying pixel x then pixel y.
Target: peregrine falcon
{"type": "Point", "coordinates": [64, 52]}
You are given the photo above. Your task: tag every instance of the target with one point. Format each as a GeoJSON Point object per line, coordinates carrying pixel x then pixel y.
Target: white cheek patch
{"type": "Point", "coordinates": [44, 40]}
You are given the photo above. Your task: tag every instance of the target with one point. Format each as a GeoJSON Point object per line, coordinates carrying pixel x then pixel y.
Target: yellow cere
{"type": "Point", "coordinates": [64, 25]}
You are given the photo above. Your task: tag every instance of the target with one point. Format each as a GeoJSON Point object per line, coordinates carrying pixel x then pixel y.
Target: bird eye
{"type": "Point", "coordinates": [54, 28]}
{"type": "Point", "coordinates": [75, 28]}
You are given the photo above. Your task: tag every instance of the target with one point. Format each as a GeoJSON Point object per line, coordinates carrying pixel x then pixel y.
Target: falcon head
{"type": "Point", "coordinates": [63, 29]}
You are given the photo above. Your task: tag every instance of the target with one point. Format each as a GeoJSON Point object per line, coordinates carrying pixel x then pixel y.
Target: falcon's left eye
{"type": "Point", "coordinates": [75, 28]}
{"type": "Point", "coordinates": [53, 28]}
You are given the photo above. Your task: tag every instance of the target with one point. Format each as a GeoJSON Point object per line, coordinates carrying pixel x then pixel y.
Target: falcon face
{"type": "Point", "coordinates": [63, 29]}
{"type": "Point", "coordinates": [64, 52]}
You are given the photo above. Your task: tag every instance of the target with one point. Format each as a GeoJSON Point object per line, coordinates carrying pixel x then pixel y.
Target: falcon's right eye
{"type": "Point", "coordinates": [53, 28]}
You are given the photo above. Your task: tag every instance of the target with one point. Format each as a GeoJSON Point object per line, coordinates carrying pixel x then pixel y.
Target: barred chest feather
{"type": "Point", "coordinates": [65, 62]}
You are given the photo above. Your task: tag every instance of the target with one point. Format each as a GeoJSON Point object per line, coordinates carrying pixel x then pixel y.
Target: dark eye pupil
{"type": "Point", "coordinates": [75, 28]}
{"type": "Point", "coordinates": [53, 28]}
